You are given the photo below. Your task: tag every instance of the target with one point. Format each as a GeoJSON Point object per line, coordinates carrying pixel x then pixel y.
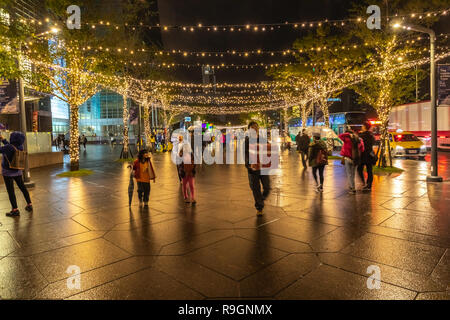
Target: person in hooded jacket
{"type": "Point", "coordinates": [316, 146]}
{"type": "Point", "coordinates": [10, 175]}
{"type": "Point", "coordinates": [351, 154]}
{"type": "Point", "coordinates": [366, 157]}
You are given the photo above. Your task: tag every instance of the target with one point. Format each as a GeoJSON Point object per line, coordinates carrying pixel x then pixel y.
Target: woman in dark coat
{"type": "Point", "coordinates": [10, 175]}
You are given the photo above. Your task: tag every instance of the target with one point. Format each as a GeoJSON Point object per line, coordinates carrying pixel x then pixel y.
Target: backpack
{"type": "Point", "coordinates": [356, 153]}
{"type": "Point", "coordinates": [321, 158]}
{"type": "Point", "coordinates": [18, 159]}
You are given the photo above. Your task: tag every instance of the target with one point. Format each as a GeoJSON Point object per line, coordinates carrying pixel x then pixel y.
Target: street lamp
{"type": "Point", "coordinates": [434, 161]}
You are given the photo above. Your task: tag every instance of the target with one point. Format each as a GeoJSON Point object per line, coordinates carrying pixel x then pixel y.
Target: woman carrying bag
{"type": "Point", "coordinates": [12, 171]}
{"type": "Point", "coordinates": [318, 159]}
{"type": "Point", "coordinates": [143, 173]}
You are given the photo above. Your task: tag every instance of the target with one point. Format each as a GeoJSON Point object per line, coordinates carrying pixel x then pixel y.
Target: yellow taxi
{"type": "Point", "coordinates": [406, 144]}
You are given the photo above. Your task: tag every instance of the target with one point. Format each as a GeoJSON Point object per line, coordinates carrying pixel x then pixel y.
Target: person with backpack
{"type": "Point", "coordinates": [143, 173]}
{"type": "Point", "coordinates": [187, 170]}
{"type": "Point", "coordinates": [368, 157]}
{"type": "Point", "coordinates": [351, 155]}
{"type": "Point", "coordinates": [318, 159]}
{"type": "Point", "coordinates": [12, 166]}
{"type": "Point", "coordinates": [302, 142]}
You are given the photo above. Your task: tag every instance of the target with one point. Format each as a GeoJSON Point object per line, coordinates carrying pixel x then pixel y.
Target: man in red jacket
{"type": "Point", "coordinates": [351, 153]}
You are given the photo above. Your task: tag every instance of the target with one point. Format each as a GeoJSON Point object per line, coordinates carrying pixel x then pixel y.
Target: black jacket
{"type": "Point", "coordinates": [369, 141]}
{"type": "Point", "coordinates": [302, 142]}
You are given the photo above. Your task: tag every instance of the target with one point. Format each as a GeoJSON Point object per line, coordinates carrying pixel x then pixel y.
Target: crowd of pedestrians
{"type": "Point", "coordinates": [357, 155]}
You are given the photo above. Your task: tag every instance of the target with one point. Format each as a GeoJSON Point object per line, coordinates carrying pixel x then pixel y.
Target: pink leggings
{"type": "Point", "coordinates": [188, 180]}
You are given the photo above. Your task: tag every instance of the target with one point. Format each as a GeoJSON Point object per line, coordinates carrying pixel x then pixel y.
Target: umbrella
{"type": "Point", "coordinates": [130, 189]}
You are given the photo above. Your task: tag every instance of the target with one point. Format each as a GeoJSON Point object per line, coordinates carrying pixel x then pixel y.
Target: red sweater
{"type": "Point", "coordinates": [346, 150]}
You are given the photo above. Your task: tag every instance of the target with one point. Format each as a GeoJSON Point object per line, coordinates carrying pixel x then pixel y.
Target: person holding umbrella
{"type": "Point", "coordinates": [143, 173]}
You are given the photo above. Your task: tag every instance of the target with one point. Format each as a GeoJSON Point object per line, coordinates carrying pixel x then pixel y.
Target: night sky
{"type": "Point", "coordinates": [226, 12]}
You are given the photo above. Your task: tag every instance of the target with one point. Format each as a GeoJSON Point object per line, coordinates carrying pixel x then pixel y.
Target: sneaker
{"type": "Point", "coordinates": [194, 201]}
{"type": "Point", "coordinates": [320, 188]}
{"type": "Point", "coordinates": [367, 188]}
{"type": "Point", "coordinates": [13, 213]}
{"type": "Point", "coordinates": [317, 189]}
{"type": "Point", "coordinates": [186, 200]}
{"type": "Point", "coordinates": [352, 191]}
{"type": "Point", "coordinates": [29, 207]}
{"type": "Point", "coordinates": [259, 213]}
{"type": "Point", "coordinates": [146, 205]}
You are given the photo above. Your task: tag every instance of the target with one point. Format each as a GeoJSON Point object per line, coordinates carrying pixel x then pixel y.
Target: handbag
{"type": "Point", "coordinates": [373, 158]}
{"type": "Point", "coordinates": [151, 172]}
{"type": "Point", "coordinates": [18, 160]}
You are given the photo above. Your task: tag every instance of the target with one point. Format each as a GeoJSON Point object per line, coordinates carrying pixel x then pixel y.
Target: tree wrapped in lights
{"type": "Point", "coordinates": [319, 73]}
{"type": "Point", "coordinates": [72, 84]}
{"type": "Point", "coordinates": [122, 86]}
{"type": "Point", "coordinates": [142, 93]}
{"type": "Point", "coordinates": [392, 81]}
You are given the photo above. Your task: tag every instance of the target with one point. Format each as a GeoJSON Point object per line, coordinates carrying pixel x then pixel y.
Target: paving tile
{"type": "Point", "coordinates": [429, 225]}
{"type": "Point", "coordinates": [410, 236]}
{"type": "Point", "coordinates": [195, 276]}
{"type": "Point", "coordinates": [196, 242]}
{"type": "Point", "coordinates": [337, 239]}
{"type": "Point", "coordinates": [7, 244]}
{"type": "Point", "coordinates": [267, 239]}
{"type": "Point", "coordinates": [328, 283]}
{"type": "Point", "coordinates": [148, 284]}
{"type": "Point", "coordinates": [441, 273]}
{"type": "Point", "coordinates": [93, 222]}
{"type": "Point", "coordinates": [415, 257]}
{"type": "Point", "coordinates": [135, 242]}
{"type": "Point", "coordinates": [19, 278]}
{"type": "Point", "coordinates": [96, 277]}
{"type": "Point", "coordinates": [45, 232]}
{"type": "Point", "coordinates": [87, 255]}
{"type": "Point", "coordinates": [395, 276]}
{"type": "Point", "coordinates": [270, 280]}
{"type": "Point", "coordinates": [298, 229]}
{"type": "Point", "coordinates": [236, 257]}
{"type": "Point", "coordinates": [40, 247]}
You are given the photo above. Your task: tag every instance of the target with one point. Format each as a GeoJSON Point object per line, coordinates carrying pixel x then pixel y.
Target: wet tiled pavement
{"type": "Point", "coordinates": [306, 246]}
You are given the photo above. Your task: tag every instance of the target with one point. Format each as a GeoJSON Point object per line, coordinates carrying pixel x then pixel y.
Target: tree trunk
{"type": "Point", "coordinates": [304, 110]}
{"type": "Point", "coordinates": [147, 126]}
{"type": "Point", "coordinates": [125, 153]}
{"type": "Point", "coordinates": [74, 146]}
{"type": "Point", "coordinates": [325, 111]}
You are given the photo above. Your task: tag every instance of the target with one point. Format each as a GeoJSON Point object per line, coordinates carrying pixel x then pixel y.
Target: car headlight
{"type": "Point", "coordinates": [423, 148]}
{"type": "Point", "coordinates": [399, 148]}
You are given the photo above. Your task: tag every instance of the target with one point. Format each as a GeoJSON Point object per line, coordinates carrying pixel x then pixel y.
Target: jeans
{"type": "Point", "coordinates": [320, 169]}
{"type": "Point", "coordinates": [369, 173]}
{"type": "Point", "coordinates": [255, 181]}
{"type": "Point", "coordinates": [304, 156]}
{"type": "Point", "coordinates": [143, 191]}
{"type": "Point", "coordinates": [188, 183]}
{"type": "Point", "coordinates": [9, 183]}
{"type": "Point", "coordinates": [350, 169]}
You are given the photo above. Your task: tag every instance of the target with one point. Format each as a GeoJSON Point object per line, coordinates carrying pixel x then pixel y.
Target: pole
{"type": "Point", "coordinates": [434, 160]}
{"type": "Point", "coordinates": [417, 85]}
{"type": "Point", "coordinates": [139, 129]}
{"type": "Point", "coordinates": [23, 127]}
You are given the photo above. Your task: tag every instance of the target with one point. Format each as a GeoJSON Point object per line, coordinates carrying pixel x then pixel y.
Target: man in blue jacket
{"type": "Point", "coordinates": [10, 175]}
